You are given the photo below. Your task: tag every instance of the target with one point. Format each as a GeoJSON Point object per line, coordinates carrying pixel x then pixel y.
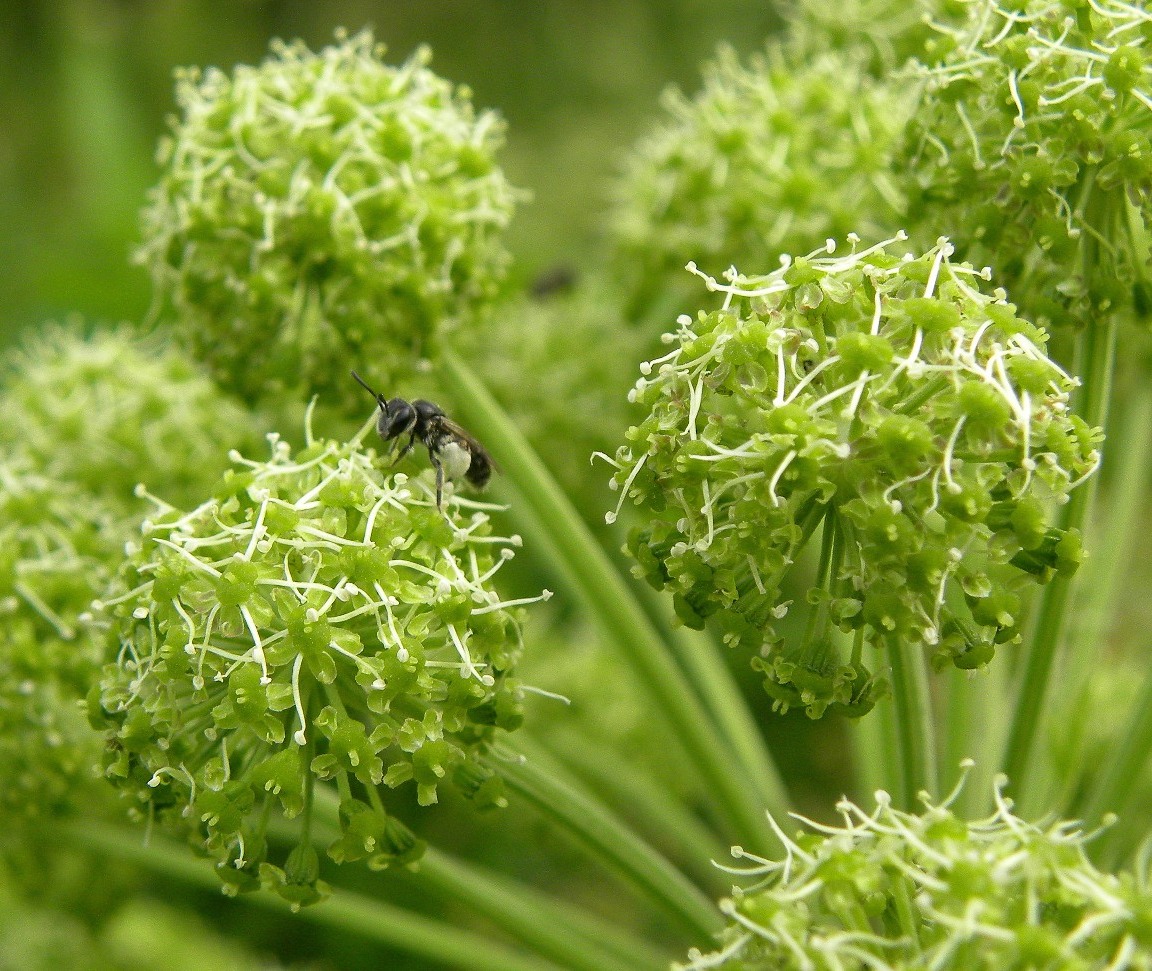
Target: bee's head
{"type": "Point", "coordinates": [397, 416]}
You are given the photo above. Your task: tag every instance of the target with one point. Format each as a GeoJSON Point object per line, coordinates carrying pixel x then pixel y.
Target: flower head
{"type": "Point", "coordinates": [886, 32]}
{"type": "Point", "coordinates": [1034, 139]}
{"type": "Point", "coordinates": [314, 621]}
{"type": "Point", "coordinates": [888, 398]}
{"type": "Point", "coordinates": [324, 208]}
{"type": "Point", "coordinates": [899, 890]}
{"type": "Point", "coordinates": [59, 546]}
{"type": "Point", "coordinates": [111, 409]}
{"type": "Point", "coordinates": [775, 156]}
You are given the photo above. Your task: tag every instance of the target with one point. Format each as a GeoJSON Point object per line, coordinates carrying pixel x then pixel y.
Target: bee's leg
{"type": "Point", "coordinates": [439, 467]}
{"type": "Point", "coordinates": [406, 449]}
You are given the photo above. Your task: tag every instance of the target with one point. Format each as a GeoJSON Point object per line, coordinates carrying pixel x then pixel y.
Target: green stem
{"type": "Point", "coordinates": [617, 846]}
{"type": "Point", "coordinates": [392, 926]}
{"type": "Point", "coordinates": [587, 571]}
{"type": "Point", "coordinates": [869, 736]}
{"type": "Point", "coordinates": [1123, 762]}
{"type": "Point", "coordinates": [702, 660]}
{"type": "Point", "coordinates": [915, 730]}
{"type": "Point", "coordinates": [1040, 652]}
{"type": "Point", "coordinates": [667, 821]}
{"type": "Point", "coordinates": [975, 722]}
{"type": "Point", "coordinates": [570, 936]}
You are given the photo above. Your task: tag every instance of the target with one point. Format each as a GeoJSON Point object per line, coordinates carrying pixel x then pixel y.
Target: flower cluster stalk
{"type": "Point", "coordinates": [1099, 351]}
{"type": "Point", "coordinates": [364, 916]}
{"type": "Point", "coordinates": [583, 564]}
{"type": "Point", "coordinates": [586, 819]}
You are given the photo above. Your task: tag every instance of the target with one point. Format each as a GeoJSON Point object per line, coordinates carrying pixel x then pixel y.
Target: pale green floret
{"type": "Point", "coordinates": [108, 410]}
{"type": "Point", "coordinates": [58, 548]}
{"type": "Point", "coordinates": [325, 208]}
{"type": "Point", "coordinates": [902, 891]}
{"type": "Point", "coordinates": [776, 156]}
{"type": "Point", "coordinates": [315, 621]}
{"type": "Point", "coordinates": [887, 32]}
{"type": "Point", "coordinates": [886, 403]}
{"type": "Point", "coordinates": [1033, 139]}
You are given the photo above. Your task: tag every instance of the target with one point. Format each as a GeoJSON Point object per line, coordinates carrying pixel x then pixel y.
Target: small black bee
{"type": "Point", "coordinates": [451, 450]}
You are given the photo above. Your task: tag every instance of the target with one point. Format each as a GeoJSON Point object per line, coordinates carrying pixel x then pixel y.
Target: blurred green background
{"type": "Point", "coordinates": [85, 86]}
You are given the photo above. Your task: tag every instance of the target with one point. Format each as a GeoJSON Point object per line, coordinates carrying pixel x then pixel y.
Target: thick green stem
{"type": "Point", "coordinates": [666, 820]}
{"type": "Point", "coordinates": [393, 926]}
{"type": "Point", "coordinates": [563, 933]}
{"type": "Point", "coordinates": [702, 661]}
{"type": "Point", "coordinates": [1036, 669]}
{"type": "Point", "coordinates": [975, 722]}
{"type": "Point", "coordinates": [587, 571]}
{"type": "Point", "coordinates": [1124, 761]}
{"type": "Point", "coordinates": [617, 846]}
{"type": "Point", "coordinates": [914, 725]}
{"type": "Point", "coordinates": [572, 937]}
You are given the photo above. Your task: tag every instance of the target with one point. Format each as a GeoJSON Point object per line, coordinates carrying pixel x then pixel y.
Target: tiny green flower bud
{"type": "Point", "coordinates": [770, 157]}
{"type": "Point", "coordinates": [59, 546]}
{"type": "Point", "coordinates": [110, 410]}
{"type": "Point", "coordinates": [1032, 139]}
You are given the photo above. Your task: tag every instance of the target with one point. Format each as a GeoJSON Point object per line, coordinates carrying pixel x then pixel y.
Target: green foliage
{"type": "Point", "coordinates": [1033, 142]}
{"type": "Point", "coordinates": [107, 410]}
{"type": "Point", "coordinates": [888, 398]}
{"type": "Point", "coordinates": [312, 621]}
{"type": "Point", "coordinates": [771, 158]}
{"type": "Point", "coordinates": [900, 890]}
{"type": "Point", "coordinates": [861, 456]}
{"type": "Point", "coordinates": [324, 208]}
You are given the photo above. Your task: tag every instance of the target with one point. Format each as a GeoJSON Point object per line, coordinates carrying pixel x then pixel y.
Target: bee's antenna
{"type": "Point", "coordinates": [379, 397]}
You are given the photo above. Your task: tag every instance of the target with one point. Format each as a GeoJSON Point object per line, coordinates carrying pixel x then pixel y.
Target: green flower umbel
{"type": "Point", "coordinates": [58, 548]}
{"type": "Point", "coordinates": [903, 891]}
{"type": "Point", "coordinates": [1034, 140]}
{"type": "Point", "coordinates": [889, 405]}
{"type": "Point", "coordinates": [111, 409]}
{"type": "Point", "coordinates": [324, 208]}
{"type": "Point", "coordinates": [313, 622]}
{"type": "Point", "coordinates": [776, 156]}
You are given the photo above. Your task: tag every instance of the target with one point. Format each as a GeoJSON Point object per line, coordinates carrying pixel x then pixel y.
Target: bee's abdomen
{"type": "Point", "coordinates": [479, 470]}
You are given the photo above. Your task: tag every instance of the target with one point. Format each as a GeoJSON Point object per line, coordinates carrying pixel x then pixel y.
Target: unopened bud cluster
{"type": "Point", "coordinates": [899, 890]}
{"type": "Point", "coordinates": [314, 621]}
{"type": "Point", "coordinates": [1034, 139]}
{"type": "Point", "coordinates": [322, 208]}
{"type": "Point", "coordinates": [885, 403]}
